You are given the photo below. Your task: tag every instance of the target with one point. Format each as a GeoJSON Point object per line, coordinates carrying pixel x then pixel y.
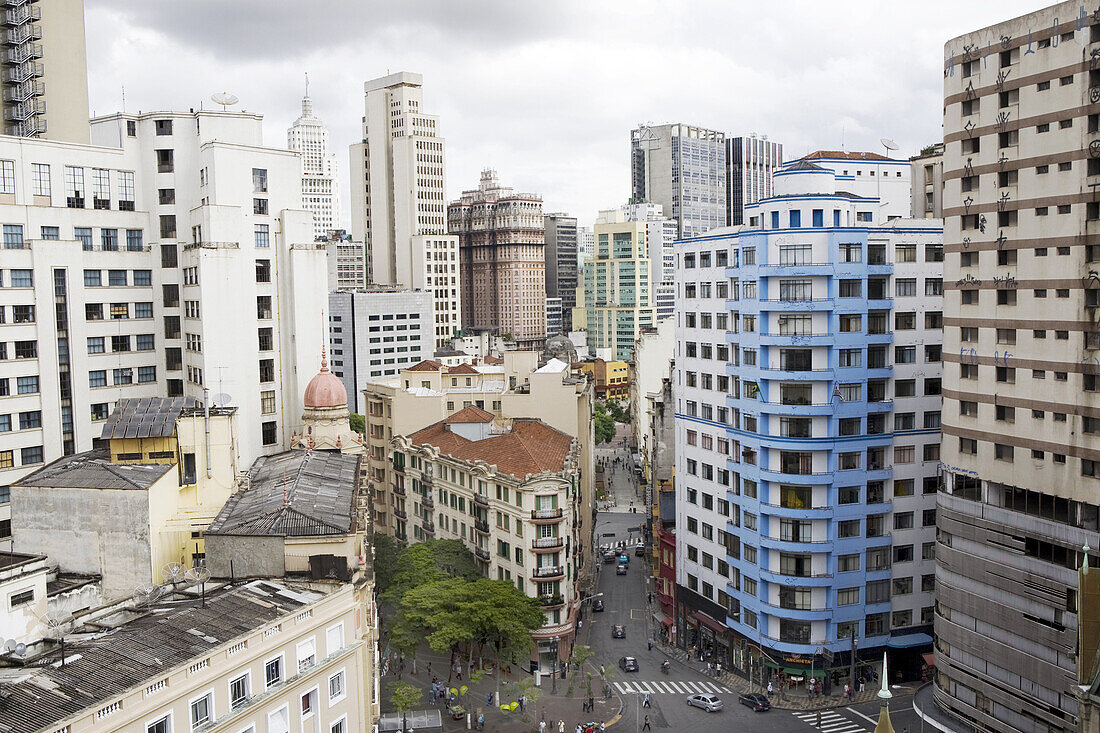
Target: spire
{"type": "Point", "coordinates": [324, 360]}
{"type": "Point", "coordinates": [884, 725]}
{"type": "Point", "coordinates": [307, 103]}
{"type": "Point", "coordinates": [884, 693]}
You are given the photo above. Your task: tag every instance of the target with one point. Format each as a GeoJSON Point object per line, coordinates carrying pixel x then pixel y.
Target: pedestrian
{"type": "Point", "coordinates": [522, 703]}
{"type": "Point", "coordinates": [708, 669]}
{"type": "Point", "coordinates": [561, 726]}
{"type": "Point", "coordinates": [645, 701]}
{"type": "Point", "coordinates": [646, 726]}
{"type": "Point", "coordinates": [601, 727]}
{"type": "Point", "coordinates": [818, 718]}
{"type": "Point", "coordinates": [431, 695]}
{"type": "Point", "coordinates": [489, 699]}
{"type": "Point", "coordinates": [542, 726]}
{"type": "Point", "coordinates": [769, 688]}
{"type": "Point", "coordinates": [847, 691]}
{"type": "Point", "coordinates": [650, 642]}
{"type": "Point", "coordinates": [458, 671]}
{"type": "Point", "coordinates": [591, 704]}
{"type": "Point", "coordinates": [718, 669]}
{"type": "Point", "coordinates": [650, 598]}
{"type": "Point", "coordinates": [579, 728]}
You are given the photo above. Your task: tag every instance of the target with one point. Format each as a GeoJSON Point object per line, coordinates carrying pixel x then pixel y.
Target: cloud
{"type": "Point", "coordinates": [547, 93]}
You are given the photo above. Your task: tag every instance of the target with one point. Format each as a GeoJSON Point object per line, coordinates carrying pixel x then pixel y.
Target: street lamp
{"type": "Point", "coordinates": [554, 668]}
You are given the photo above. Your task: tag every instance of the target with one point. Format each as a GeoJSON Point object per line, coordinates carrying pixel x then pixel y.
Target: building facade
{"type": "Point", "coordinates": [398, 198]}
{"type": "Point", "coordinates": [502, 261]}
{"type": "Point", "coordinates": [750, 163]}
{"type": "Point", "coordinates": [121, 261]}
{"type": "Point", "coordinates": [618, 285]}
{"type": "Point", "coordinates": [926, 177]}
{"type": "Point", "coordinates": [807, 382]}
{"type": "Point", "coordinates": [660, 234]}
{"type": "Point", "coordinates": [320, 169]}
{"type": "Point", "coordinates": [682, 168]}
{"type": "Point", "coordinates": [1020, 452]}
{"type": "Point", "coordinates": [375, 334]}
{"type": "Point", "coordinates": [586, 245]}
{"type": "Point", "coordinates": [347, 262]}
{"type": "Point", "coordinates": [554, 315]}
{"type": "Point", "coordinates": [562, 256]}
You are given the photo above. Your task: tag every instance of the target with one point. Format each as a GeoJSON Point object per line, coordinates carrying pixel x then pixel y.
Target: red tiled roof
{"type": "Point", "coordinates": [492, 360]}
{"type": "Point", "coordinates": [426, 366]}
{"type": "Point", "coordinates": [843, 155]}
{"type": "Point", "coordinates": [463, 369]}
{"type": "Point", "coordinates": [473, 413]}
{"type": "Point", "coordinates": [532, 446]}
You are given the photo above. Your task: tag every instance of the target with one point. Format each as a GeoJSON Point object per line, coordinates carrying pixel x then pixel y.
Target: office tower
{"type": "Point", "coordinates": [320, 169]}
{"type": "Point", "coordinates": [554, 315]}
{"type": "Point", "coordinates": [502, 261]}
{"type": "Point", "coordinates": [808, 365]}
{"type": "Point", "coordinates": [682, 168]}
{"type": "Point", "coordinates": [660, 237]}
{"type": "Point", "coordinates": [561, 267]}
{"type": "Point", "coordinates": [618, 285]}
{"type": "Point", "coordinates": [375, 333]}
{"type": "Point", "coordinates": [927, 181]}
{"type": "Point", "coordinates": [398, 198]}
{"type": "Point", "coordinates": [750, 163]}
{"type": "Point", "coordinates": [1020, 453]}
{"type": "Point", "coordinates": [169, 257]}
{"type": "Point", "coordinates": [347, 262]}
{"type": "Point", "coordinates": [586, 245]}
{"type": "Point", "coordinates": [44, 69]}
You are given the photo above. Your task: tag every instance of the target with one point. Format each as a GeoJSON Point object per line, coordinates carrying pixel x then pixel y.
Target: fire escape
{"type": "Point", "coordinates": [24, 108]}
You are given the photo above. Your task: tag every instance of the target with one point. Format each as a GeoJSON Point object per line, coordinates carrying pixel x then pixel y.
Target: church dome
{"type": "Point", "coordinates": [325, 389]}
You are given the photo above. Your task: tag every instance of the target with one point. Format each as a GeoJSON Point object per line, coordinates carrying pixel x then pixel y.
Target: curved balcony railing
{"type": "Point", "coordinates": [481, 526]}
{"type": "Point", "coordinates": [547, 573]}
{"type": "Point", "coordinates": [481, 499]}
{"type": "Point", "coordinates": [546, 515]}
{"type": "Point", "coordinates": [547, 543]}
{"type": "Point", "coordinates": [551, 601]}
{"type": "Point", "coordinates": [481, 553]}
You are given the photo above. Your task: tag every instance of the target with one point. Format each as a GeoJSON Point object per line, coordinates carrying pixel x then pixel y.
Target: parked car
{"type": "Point", "coordinates": [597, 605]}
{"type": "Point", "coordinates": [639, 550]}
{"type": "Point", "coordinates": [628, 664]}
{"type": "Point", "coordinates": [618, 631]}
{"type": "Point", "coordinates": [756, 701]}
{"type": "Point", "coordinates": [621, 570]}
{"type": "Point", "coordinates": [710, 703]}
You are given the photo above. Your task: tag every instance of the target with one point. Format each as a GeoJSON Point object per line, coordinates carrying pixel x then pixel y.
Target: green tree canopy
{"type": "Point", "coordinates": [358, 423]}
{"type": "Point", "coordinates": [429, 561]}
{"type": "Point", "coordinates": [386, 551]}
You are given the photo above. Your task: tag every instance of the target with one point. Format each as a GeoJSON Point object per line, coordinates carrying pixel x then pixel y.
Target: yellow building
{"type": "Point", "coordinates": [611, 378]}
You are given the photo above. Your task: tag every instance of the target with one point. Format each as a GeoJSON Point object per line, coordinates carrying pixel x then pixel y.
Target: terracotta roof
{"type": "Point", "coordinates": [530, 447]}
{"type": "Point", "coordinates": [463, 369]}
{"type": "Point", "coordinates": [425, 366]}
{"type": "Point", "coordinates": [473, 413]}
{"type": "Point", "coordinates": [843, 155]}
{"type": "Point", "coordinates": [490, 359]}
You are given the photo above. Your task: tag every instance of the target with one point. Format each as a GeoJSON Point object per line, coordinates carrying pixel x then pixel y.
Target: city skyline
{"type": "Point", "coordinates": [891, 82]}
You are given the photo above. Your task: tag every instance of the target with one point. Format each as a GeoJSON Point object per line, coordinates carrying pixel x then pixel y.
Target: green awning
{"type": "Point", "coordinates": [794, 670]}
{"type": "Point", "coordinates": [771, 664]}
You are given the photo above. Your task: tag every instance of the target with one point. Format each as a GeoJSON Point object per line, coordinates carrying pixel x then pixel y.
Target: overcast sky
{"type": "Point", "coordinates": [547, 92]}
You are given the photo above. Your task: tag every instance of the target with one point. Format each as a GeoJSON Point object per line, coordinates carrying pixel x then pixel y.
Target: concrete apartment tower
{"type": "Point", "coordinates": [398, 198]}
{"type": "Point", "coordinates": [43, 69]}
{"type": "Point", "coordinates": [682, 168]}
{"type": "Point", "coordinates": [927, 180]}
{"type": "Point", "coordinates": [750, 163]}
{"type": "Point", "coordinates": [561, 267]}
{"type": "Point", "coordinates": [1021, 453]}
{"type": "Point", "coordinates": [502, 261]}
{"type": "Point", "coordinates": [320, 169]}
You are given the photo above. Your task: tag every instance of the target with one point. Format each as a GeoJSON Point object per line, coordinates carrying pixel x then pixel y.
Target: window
{"type": "Point", "coordinates": [263, 271]}
{"type": "Point", "coordinates": [13, 236]}
{"type": "Point", "coordinates": [27, 385]}
{"type": "Point", "coordinates": [40, 179]}
{"type": "Point", "coordinates": [307, 654]}
{"type": "Point", "coordinates": [336, 688]}
{"type": "Point", "coordinates": [125, 190]}
{"type": "Point", "coordinates": [167, 226]}
{"type": "Point", "coordinates": [202, 710]}
{"type": "Point", "coordinates": [259, 206]}
{"type": "Point", "coordinates": [165, 161]}
{"type": "Point", "coordinates": [259, 180]}
{"type": "Point", "coordinates": [31, 454]}
{"type": "Point", "coordinates": [97, 378]}
{"type": "Point", "coordinates": [147, 374]}
{"type": "Point", "coordinates": [162, 725]}
{"type": "Point", "coordinates": [123, 376]}
{"type": "Point", "coordinates": [269, 432]}
{"type": "Point", "coordinates": [273, 671]}
{"type": "Point", "coordinates": [240, 689]}
{"type": "Point", "coordinates": [279, 721]}
{"type": "Point", "coordinates": [30, 419]}
{"type": "Point", "coordinates": [163, 127]}
{"type": "Point", "coordinates": [905, 287]}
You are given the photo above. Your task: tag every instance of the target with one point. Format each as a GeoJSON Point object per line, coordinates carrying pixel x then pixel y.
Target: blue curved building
{"type": "Point", "coordinates": [808, 395]}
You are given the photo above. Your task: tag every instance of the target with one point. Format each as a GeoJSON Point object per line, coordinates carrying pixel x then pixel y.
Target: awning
{"type": "Point", "coordinates": [710, 623]}
{"type": "Point", "coordinates": [929, 659]}
{"type": "Point", "coordinates": [909, 640]}
{"type": "Point", "coordinates": [662, 619]}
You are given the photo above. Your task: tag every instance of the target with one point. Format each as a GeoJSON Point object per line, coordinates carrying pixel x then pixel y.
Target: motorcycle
{"type": "Point", "coordinates": [665, 666]}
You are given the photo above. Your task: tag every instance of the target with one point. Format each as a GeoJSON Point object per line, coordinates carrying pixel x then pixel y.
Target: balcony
{"type": "Point", "coordinates": [19, 15]}
{"type": "Point", "coordinates": [790, 512]}
{"type": "Point", "coordinates": [546, 544]}
{"type": "Point", "coordinates": [428, 527]}
{"type": "Point", "coordinates": [546, 516]}
{"type": "Point", "coordinates": [400, 513]}
{"type": "Point", "coordinates": [24, 52]}
{"type": "Point", "coordinates": [789, 578]}
{"type": "Point", "coordinates": [481, 526]}
{"type": "Point", "coordinates": [22, 72]}
{"type": "Point", "coordinates": [23, 92]}
{"type": "Point", "coordinates": [548, 573]}
{"type": "Point", "coordinates": [481, 553]}
{"type": "Point", "coordinates": [481, 499]}
{"type": "Point", "coordinates": [23, 33]}
{"type": "Point", "coordinates": [551, 601]}
{"type": "Point", "coordinates": [399, 490]}
{"type": "Point", "coordinates": [428, 501]}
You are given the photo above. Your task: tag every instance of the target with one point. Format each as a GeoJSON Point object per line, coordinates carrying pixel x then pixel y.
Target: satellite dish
{"type": "Point", "coordinates": [888, 143]}
{"type": "Point", "coordinates": [20, 648]}
{"type": "Point", "coordinates": [220, 399]}
{"type": "Point", "coordinates": [198, 574]}
{"type": "Point", "coordinates": [173, 572]}
{"type": "Point", "coordinates": [225, 99]}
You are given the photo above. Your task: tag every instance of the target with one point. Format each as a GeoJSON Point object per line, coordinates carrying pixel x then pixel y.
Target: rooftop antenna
{"type": "Point", "coordinates": [888, 144]}
{"type": "Point", "coordinates": [199, 574]}
{"type": "Point", "coordinates": [307, 83]}
{"type": "Point", "coordinates": [173, 572]}
{"type": "Point", "coordinates": [225, 99]}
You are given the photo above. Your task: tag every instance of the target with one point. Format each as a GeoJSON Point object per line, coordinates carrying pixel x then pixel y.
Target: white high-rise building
{"type": "Point", "coordinates": [398, 198]}
{"type": "Point", "coordinates": [170, 256]}
{"type": "Point", "coordinates": [660, 235]}
{"type": "Point", "coordinates": [320, 169]}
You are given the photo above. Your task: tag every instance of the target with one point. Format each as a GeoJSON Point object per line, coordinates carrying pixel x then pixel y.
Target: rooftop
{"type": "Point", "coordinates": [93, 470]}
{"type": "Point", "coordinates": [473, 413]}
{"type": "Point", "coordinates": [529, 447]}
{"type": "Point", "coordinates": [294, 494]}
{"type": "Point", "coordinates": [109, 663]}
{"type": "Point", "coordinates": [146, 417]}
{"type": "Point", "coordinates": [426, 366]}
{"type": "Point", "coordinates": [844, 155]}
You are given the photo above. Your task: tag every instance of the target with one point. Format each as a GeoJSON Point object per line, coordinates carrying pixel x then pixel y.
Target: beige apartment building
{"type": "Point", "coordinates": [1021, 455]}
{"type": "Point", "coordinates": [502, 263]}
{"type": "Point", "coordinates": [510, 490]}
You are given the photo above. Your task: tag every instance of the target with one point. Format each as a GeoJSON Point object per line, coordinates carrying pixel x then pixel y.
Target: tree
{"type": "Point", "coordinates": [358, 423]}
{"type": "Point", "coordinates": [386, 551]}
{"type": "Point", "coordinates": [429, 561]}
{"type": "Point", "coordinates": [605, 428]}
{"type": "Point", "coordinates": [404, 698]}
{"type": "Point", "coordinates": [581, 654]}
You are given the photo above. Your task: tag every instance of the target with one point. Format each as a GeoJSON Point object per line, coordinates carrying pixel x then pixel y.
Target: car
{"type": "Point", "coordinates": [710, 703]}
{"type": "Point", "coordinates": [597, 605]}
{"type": "Point", "coordinates": [618, 631]}
{"type": "Point", "coordinates": [756, 701]}
{"type": "Point", "coordinates": [620, 570]}
{"type": "Point", "coordinates": [628, 664]}
{"type": "Point", "coordinates": [624, 559]}
{"type": "Point", "coordinates": [639, 550]}
{"type": "Point", "coordinates": [610, 557]}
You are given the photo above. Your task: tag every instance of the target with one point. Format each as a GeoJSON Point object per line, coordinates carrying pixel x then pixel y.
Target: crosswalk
{"type": "Point", "coordinates": [832, 722]}
{"type": "Point", "coordinates": [666, 687]}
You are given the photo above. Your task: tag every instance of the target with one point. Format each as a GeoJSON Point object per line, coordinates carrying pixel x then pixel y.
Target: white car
{"type": "Point", "coordinates": [710, 703]}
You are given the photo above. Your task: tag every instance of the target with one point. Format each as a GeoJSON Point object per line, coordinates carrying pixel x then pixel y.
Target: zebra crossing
{"type": "Point", "coordinates": [831, 722]}
{"type": "Point", "coordinates": [667, 687]}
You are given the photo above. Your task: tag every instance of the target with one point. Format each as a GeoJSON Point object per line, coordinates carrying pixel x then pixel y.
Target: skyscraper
{"type": "Point", "coordinates": [660, 235]}
{"type": "Point", "coordinates": [682, 168]}
{"type": "Point", "coordinates": [398, 198]}
{"type": "Point", "coordinates": [320, 169]}
{"type": "Point", "coordinates": [501, 260]}
{"type": "Point", "coordinates": [750, 163]}
{"type": "Point", "coordinates": [561, 267]}
{"type": "Point", "coordinates": [1021, 453]}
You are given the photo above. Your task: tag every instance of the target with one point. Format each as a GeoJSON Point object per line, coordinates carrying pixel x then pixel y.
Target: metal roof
{"type": "Point", "coordinates": [106, 665]}
{"type": "Point", "coordinates": [146, 417]}
{"type": "Point", "coordinates": [93, 470]}
{"type": "Point", "coordinates": [294, 494]}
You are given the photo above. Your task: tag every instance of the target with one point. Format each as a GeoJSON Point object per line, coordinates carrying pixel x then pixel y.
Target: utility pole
{"type": "Point", "coordinates": [852, 680]}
